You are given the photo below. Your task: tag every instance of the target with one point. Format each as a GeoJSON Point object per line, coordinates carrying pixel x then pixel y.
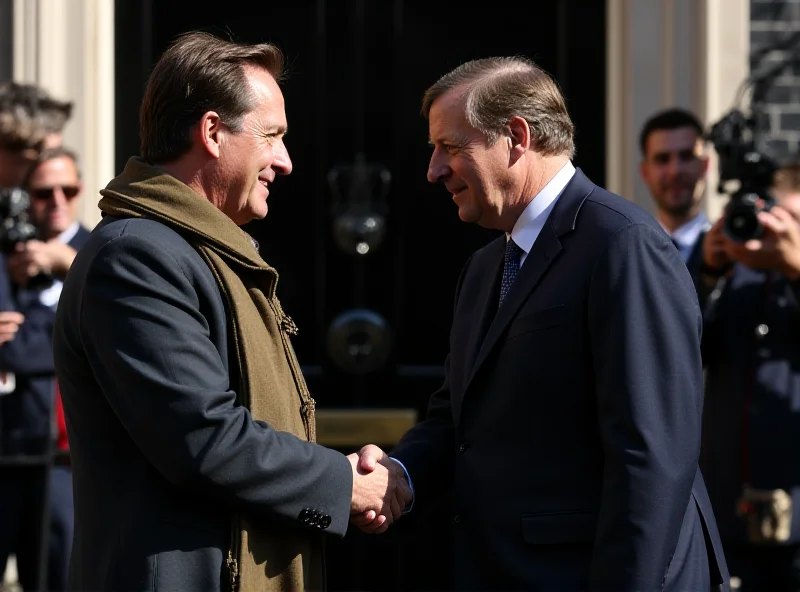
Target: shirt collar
{"type": "Point", "coordinates": [686, 235]}
{"type": "Point", "coordinates": [533, 217]}
{"type": "Point", "coordinates": [69, 233]}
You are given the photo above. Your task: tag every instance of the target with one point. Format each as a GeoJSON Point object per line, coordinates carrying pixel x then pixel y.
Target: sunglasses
{"type": "Point", "coordinates": [44, 193]}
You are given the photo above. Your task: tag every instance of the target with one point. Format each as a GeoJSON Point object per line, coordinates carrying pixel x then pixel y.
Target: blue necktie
{"type": "Point", "coordinates": [510, 267]}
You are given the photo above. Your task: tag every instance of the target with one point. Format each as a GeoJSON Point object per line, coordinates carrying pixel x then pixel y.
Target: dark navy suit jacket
{"type": "Point", "coordinates": [567, 431]}
{"type": "Point", "coordinates": [25, 414]}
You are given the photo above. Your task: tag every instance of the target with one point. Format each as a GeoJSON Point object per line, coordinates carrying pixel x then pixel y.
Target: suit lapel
{"type": "Point", "coordinates": [488, 296]}
{"type": "Point", "coordinates": [542, 255]}
{"type": "Point", "coordinates": [545, 250]}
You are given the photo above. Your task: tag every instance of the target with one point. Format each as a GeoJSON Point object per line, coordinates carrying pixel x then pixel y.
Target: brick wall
{"type": "Point", "coordinates": [776, 22]}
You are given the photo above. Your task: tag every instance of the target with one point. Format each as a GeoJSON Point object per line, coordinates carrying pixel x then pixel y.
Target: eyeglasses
{"type": "Point", "coordinates": [44, 193]}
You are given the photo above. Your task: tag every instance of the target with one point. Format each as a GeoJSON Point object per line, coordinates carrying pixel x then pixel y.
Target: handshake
{"type": "Point", "coordinates": [380, 490]}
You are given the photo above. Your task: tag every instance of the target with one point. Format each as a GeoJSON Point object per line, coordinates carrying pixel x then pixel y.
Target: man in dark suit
{"type": "Point", "coordinates": [567, 431]}
{"type": "Point", "coordinates": [30, 284]}
{"type": "Point", "coordinates": [674, 166]}
{"type": "Point", "coordinates": [191, 429]}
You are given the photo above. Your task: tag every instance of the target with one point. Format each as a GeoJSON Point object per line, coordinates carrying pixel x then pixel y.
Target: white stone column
{"type": "Point", "coordinates": [726, 28]}
{"type": "Point", "coordinates": [669, 53]}
{"type": "Point", "coordinates": [67, 47]}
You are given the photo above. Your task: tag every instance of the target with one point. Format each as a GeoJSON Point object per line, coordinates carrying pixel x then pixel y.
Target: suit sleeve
{"type": "Point", "coordinates": [148, 344]}
{"type": "Point", "coordinates": [645, 327]}
{"type": "Point", "coordinates": [30, 353]}
{"type": "Point", "coordinates": [427, 449]}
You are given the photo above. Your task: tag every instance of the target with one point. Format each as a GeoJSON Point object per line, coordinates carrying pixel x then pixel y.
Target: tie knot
{"type": "Point", "coordinates": [513, 251]}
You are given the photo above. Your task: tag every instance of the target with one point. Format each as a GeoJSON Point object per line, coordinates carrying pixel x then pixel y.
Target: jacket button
{"type": "Point", "coordinates": [462, 447]}
{"type": "Point", "coordinates": [456, 518]}
{"type": "Point", "coordinates": [325, 521]}
{"type": "Point", "coordinates": [305, 517]}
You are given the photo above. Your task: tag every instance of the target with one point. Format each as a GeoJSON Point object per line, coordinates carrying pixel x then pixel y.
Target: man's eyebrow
{"type": "Point", "coordinates": [456, 141]}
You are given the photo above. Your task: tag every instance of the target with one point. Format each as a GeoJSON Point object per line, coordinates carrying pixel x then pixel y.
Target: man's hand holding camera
{"type": "Point", "coordinates": [777, 249]}
{"type": "Point", "coordinates": [34, 258]}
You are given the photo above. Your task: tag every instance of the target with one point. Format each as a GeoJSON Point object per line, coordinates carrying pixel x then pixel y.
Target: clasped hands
{"type": "Point", "coordinates": [380, 490]}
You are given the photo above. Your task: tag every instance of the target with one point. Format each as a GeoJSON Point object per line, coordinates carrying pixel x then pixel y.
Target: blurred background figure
{"type": "Point", "coordinates": [30, 120]}
{"type": "Point", "coordinates": [39, 189]}
{"type": "Point", "coordinates": [673, 166]}
{"type": "Point", "coordinates": [750, 293]}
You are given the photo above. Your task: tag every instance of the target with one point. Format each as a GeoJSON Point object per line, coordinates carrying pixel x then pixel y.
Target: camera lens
{"type": "Point", "coordinates": [741, 216]}
{"type": "Point", "coordinates": [742, 226]}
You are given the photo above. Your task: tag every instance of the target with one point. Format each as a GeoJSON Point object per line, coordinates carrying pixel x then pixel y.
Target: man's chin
{"type": "Point", "coordinates": [676, 207]}
{"type": "Point", "coordinates": [679, 211]}
{"type": "Point", "coordinates": [468, 215]}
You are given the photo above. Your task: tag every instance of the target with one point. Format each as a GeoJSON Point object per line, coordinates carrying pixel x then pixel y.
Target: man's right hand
{"type": "Point", "coordinates": [380, 490]}
{"type": "Point", "coordinates": [9, 325]}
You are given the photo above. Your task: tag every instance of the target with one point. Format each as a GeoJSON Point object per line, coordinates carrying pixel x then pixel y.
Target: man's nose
{"type": "Point", "coordinates": [438, 169]}
{"type": "Point", "coordinates": [674, 165]}
{"type": "Point", "coordinates": [59, 197]}
{"type": "Point", "coordinates": [282, 164]}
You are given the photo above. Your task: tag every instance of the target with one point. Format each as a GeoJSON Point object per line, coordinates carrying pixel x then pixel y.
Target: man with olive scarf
{"type": "Point", "coordinates": [191, 427]}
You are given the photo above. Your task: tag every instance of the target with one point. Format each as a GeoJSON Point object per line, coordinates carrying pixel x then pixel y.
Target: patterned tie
{"type": "Point", "coordinates": [510, 267]}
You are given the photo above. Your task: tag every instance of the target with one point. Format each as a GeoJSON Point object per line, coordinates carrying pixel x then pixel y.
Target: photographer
{"type": "Point", "coordinates": [30, 268]}
{"type": "Point", "coordinates": [750, 294]}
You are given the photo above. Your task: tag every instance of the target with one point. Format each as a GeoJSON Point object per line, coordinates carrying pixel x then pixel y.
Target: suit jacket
{"type": "Point", "coordinates": [567, 431]}
{"type": "Point", "coordinates": [25, 414]}
{"type": "Point", "coordinates": [161, 452]}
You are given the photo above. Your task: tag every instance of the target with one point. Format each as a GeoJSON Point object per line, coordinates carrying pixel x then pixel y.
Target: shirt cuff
{"type": "Point", "coordinates": [407, 509]}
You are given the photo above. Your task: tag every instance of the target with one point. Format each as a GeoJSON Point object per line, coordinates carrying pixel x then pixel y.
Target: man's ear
{"type": "Point", "coordinates": [519, 138]}
{"type": "Point", "coordinates": [706, 162]}
{"type": "Point", "coordinates": [209, 133]}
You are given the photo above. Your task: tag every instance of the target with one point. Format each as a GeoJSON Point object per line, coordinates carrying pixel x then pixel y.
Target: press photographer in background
{"type": "Point", "coordinates": [750, 293]}
{"type": "Point", "coordinates": [39, 189]}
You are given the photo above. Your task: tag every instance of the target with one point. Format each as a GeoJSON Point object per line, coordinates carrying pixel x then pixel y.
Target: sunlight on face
{"type": "Point", "coordinates": [472, 171]}
{"type": "Point", "coordinates": [251, 158]}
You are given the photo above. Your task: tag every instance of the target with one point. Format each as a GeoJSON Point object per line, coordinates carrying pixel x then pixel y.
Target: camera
{"type": "Point", "coordinates": [733, 137]}
{"type": "Point", "coordinates": [15, 228]}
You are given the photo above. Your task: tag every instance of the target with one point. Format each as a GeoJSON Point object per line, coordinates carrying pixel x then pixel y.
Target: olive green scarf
{"type": "Point", "coordinates": [263, 557]}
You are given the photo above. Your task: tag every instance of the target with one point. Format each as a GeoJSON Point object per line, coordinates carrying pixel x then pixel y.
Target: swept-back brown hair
{"type": "Point", "coordinates": [199, 72]}
{"type": "Point", "coordinates": [499, 88]}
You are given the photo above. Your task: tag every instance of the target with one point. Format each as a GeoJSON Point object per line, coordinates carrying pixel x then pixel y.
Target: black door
{"type": "Point", "coordinates": [367, 251]}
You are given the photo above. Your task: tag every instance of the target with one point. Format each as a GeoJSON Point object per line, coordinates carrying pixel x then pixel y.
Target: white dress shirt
{"type": "Point", "coordinates": [686, 235]}
{"type": "Point", "coordinates": [531, 221]}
